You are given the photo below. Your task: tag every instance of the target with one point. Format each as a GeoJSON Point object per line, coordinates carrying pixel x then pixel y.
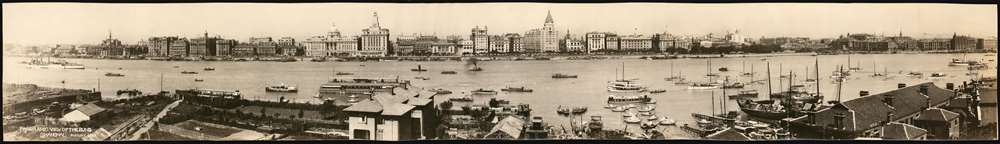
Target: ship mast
{"type": "Point", "coordinates": [769, 78]}
{"type": "Point", "coordinates": [816, 71]}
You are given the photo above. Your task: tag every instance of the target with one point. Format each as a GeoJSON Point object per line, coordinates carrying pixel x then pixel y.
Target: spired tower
{"type": "Point", "coordinates": [549, 38]}
{"type": "Point", "coordinates": [374, 40]}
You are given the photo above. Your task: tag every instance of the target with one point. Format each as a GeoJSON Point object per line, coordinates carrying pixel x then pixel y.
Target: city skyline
{"type": "Point", "coordinates": [61, 22]}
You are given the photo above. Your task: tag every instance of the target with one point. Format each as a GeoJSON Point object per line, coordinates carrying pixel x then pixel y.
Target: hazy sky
{"type": "Point", "coordinates": [73, 23]}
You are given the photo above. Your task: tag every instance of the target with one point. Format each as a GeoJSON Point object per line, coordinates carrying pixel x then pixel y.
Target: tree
{"type": "Point", "coordinates": [446, 106]}
{"type": "Point", "coordinates": [302, 113]}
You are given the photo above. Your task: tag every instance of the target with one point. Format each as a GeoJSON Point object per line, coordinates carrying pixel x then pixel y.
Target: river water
{"type": "Point", "coordinates": [588, 90]}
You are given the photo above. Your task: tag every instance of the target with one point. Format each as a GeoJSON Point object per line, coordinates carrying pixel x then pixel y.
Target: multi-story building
{"type": "Point", "coordinates": [666, 41]}
{"type": "Point", "coordinates": [498, 44]}
{"type": "Point", "coordinates": [611, 42]}
{"type": "Point", "coordinates": [264, 46]}
{"type": "Point", "coordinates": [423, 44]}
{"type": "Point", "coordinates": [544, 39]}
{"type": "Point", "coordinates": [287, 46]}
{"type": "Point", "coordinates": [574, 45]}
{"type": "Point", "coordinates": [111, 47]}
{"type": "Point", "coordinates": [516, 42]}
{"type": "Point", "coordinates": [480, 40]}
{"type": "Point", "coordinates": [203, 46]}
{"type": "Point", "coordinates": [402, 114]}
{"type": "Point", "coordinates": [636, 43]}
{"type": "Point", "coordinates": [224, 47]}
{"type": "Point", "coordinates": [862, 42]}
{"type": "Point", "coordinates": [988, 44]}
{"type": "Point", "coordinates": [332, 44]}
{"type": "Point", "coordinates": [961, 43]}
{"type": "Point", "coordinates": [374, 40]}
{"type": "Point", "coordinates": [444, 48]}
{"type": "Point", "coordinates": [160, 46]}
{"type": "Point", "coordinates": [243, 50]}
{"type": "Point", "coordinates": [178, 48]}
{"type": "Point", "coordinates": [934, 44]}
{"type": "Point", "coordinates": [467, 47]}
{"type": "Point", "coordinates": [595, 41]}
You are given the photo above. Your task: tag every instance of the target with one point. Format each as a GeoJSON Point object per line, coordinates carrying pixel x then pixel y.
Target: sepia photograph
{"type": "Point", "coordinates": [499, 71]}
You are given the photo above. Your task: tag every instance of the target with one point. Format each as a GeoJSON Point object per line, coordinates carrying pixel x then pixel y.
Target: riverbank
{"type": "Point", "coordinates": [509, 57]}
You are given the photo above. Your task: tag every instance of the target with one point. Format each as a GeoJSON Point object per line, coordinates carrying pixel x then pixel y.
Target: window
{"type": "Point", "coordinates": [361, 134]}
{"type": "Point", "coordinates": [364, 120]}
{"type": "Point", "coordinates": [380, 121]}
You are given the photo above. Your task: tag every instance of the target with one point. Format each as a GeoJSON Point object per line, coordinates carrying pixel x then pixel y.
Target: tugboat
{"type": "Point", "coordinates": [475, 65]}
{"type": "Point", "coordinates": [560, 75]}
{"type": "Point", "coordinates": [418, 69]}
{"type": "Point", "coordinates": [281, 88]}
{"type": "Point", "coordinates": [484, 92]}
{"type": "Point", "coordinates": [114, 75]}
{"type": "Point", "coordinates": [515, 89]}
{"type": "Point", "coordinates": [189, 72]}
{"type": "Point", "coordinates": [209, 69]}
{"type": "Point", "coordinates": [449, 72]}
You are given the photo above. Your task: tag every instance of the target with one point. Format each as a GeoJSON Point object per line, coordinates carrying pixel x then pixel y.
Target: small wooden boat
{"type": "Point", "coordinates": [667, 121]}
{"type": "Point", "coordinates": [209, 69]}
{"type": "Point", "coordinates": [419, 69]}
{"type": "Point", "coordinates": [619, 109]}
{"type": "Point", "coordinates": [657, 91]}
{"type": "Point", "coordinates": [648, 125]}
{"type": "Point", "coordinates": [344, 73]}
{"type": "Point", "coordinates": [281, 88]}
{"type": "Point", "coordinates": [189, 72]}
{"type": "Point", "coordinates": [422, 78]}
{"type": "Point", "coordinates": [516, 89]}
{"type": "Point", "coordinates": [723, 69]}
{"type": "Point", "coordinates": [198, 80]}
{"type": "Point", "coordinates": [646, 108]}
{"type": "Point", "coordinates": [449, 72]}
{"type": "Point", "coordinates": [632, 119]}
{"type": "Point", "coordinates": [563, 110]}
{"type": "Point", "coordinates": [579, 110]}
{"type": "Point", "coordinates": [484, 92]}
{"type": "Point", "coordinates": [610, 106]}
{"type": "Point", "coordinates": [114, 75]}
{"type": "Point", "coordinates": [560, 75]}
{"type": "Point", "coordinates": [938, 75]}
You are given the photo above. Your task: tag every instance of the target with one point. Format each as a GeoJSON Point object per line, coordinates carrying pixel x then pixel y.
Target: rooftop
{"type": "Point", "coordinates": [902, 131]}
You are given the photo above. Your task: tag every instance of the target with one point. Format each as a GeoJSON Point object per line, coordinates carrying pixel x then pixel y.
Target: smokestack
{"type": "Point", "coordinates": [863, 93]}
{"type": "Point", "coordinates": [900, 85]}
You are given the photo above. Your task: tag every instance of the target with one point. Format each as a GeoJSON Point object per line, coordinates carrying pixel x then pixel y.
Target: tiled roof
{"type": "Point", "coordinates": [870, 111]}
{"type": "Point", "coordinates": [937, 114]}
{"type": "Point", "coordinates": [90, 109]}
{"type": "Point", "coordinates": [511, 126]}
{"type": "Point", "coordinates": [418, 101]}
{"type": "Point", "coordinates": [426, 94]}
{"type": "Point", "coordinates": [365, 106]}
{"type": "Point", "coordinates": [902, 131]}
{"type": "Point", "coordinates": [728, 134]}
{"type": "Point", "coordinates": [382, 104]}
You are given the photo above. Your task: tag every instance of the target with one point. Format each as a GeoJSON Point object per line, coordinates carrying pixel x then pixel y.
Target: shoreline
{"type": "Point", "coordinates": [494, 58]}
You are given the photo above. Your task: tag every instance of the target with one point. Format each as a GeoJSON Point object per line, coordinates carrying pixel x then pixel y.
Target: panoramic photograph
{"type": "Point", "coordinates": [499, 71]}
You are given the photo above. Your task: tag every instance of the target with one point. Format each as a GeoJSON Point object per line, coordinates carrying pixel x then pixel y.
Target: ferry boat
{"type": "Point", "coordinates": [745, 94]}
{"type": "Point", "coordinates": [189, 72]}
{"type": "Point", "coordinates": [628, 99]}
{"type": "Point", "coordinates": [114, 75]}
{"type": "Point", "coordinates": [484, 92]}
{"type": "Point", "coordinates": [419, 69]}
{"type": "Point", "coordinates": [516, 89]}
{"type": "Point", "coordinates": [560, 75]}
{"type": "Point", "coordinates": [449, 72]}
{"type": "Point", "coordinates": [703, 86]}
{"type": "Point", "coordinates": [281, 88]}
{"type": "Point", "coordinates": [209, 69]}
{"type": "Point", "coordinates": [625, 86]}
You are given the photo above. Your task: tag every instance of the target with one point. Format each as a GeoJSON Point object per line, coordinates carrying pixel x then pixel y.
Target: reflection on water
{"type": "Point", "coordinates": [588, 90]}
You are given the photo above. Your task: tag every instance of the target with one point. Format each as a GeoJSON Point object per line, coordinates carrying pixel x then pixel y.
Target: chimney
{"type": "Point", "coordinates": [888, 98]}
{"type": "Point", "coordinates": [900, 85]}
{"type": "Point", "coordinates": [864, 93]}
{"type": "Point", "coordinates": [888, 117]}
{"type": "Point", "coordinates": [923, 89]}
{"type": "Point", "coordinates": [949, 86]}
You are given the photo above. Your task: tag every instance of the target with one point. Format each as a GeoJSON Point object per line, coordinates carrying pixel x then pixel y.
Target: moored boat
{"type": "Point", "coordinates": [189, 72]}
{"type": "Point", "coordinates": [209, 69]}
{"type": "Point", "coordinates": [516, 89]}
{"type": "Point", "coordinates": [658, 91]}
{"type": "Point", "coordinates": [628, 99]}
{"type": "Point", "coordinates": [579, 110]}
{"type": "Point", "coordinates": [419, 69]}
{"type": "Point", "coordinates": [449, 72]}
{"type": "Point", "coordinates": [114, 75]}
{"type": "Point", "coordinates": [561, 75]}
{"type": "Point", "coordinates": [281, 88]}
{"type": "Point", "coordinates": [625, 86]}
{"type": "Point", "coordinates": [199, 80]}
{"type": "Point", "coordinates": [703, 86]}
{"type": "Point", "coordinates": [484, 92]}
{"type": "Point", "coordinates": [344, 73]}
{"type": "Point", "coordinates": [745, 94]}
{"type": "Point", "coordinates": [938, 75]}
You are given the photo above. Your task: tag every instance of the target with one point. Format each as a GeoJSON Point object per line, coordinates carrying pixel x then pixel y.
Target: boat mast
{"type": "Point", "coordinates": [781, 83]}
{"type": "Point", "coordinates": [816, 64]}
{"type": "Point", "coordinates": [768, 78]}
{"type": "Point", "coordinates": [161, 81]}
{"type": "Point", "coordinates": [713, 103]}
{"type": "Point", "coordinates": [840, 82]}
{"type": "Point", "coordinates": [724, 84]}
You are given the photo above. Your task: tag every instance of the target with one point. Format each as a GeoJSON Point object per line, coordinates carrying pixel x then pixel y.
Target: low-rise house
{"type": "Point", "coordinates": [902, 131]}
{"type": "Point", "coordinates": [509, 128]}
{"type": "Point", "coordinates": [84, 113]}
{"type": "Point", "coordinates": [940, 123]}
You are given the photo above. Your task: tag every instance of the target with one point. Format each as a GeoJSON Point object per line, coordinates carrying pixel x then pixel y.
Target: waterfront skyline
{"type": "Point", "coordinates": [65, 23]}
